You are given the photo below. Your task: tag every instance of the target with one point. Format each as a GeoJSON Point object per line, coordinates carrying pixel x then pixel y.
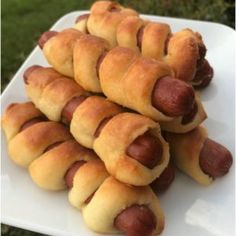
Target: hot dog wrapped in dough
{"type": "Point", "coordinates": [67, 164]}
{"type": "Point", "coordinates": [157, 94]}
{"type": "Point", "coordinates": [105, 18]}
{"type": "Point", "coordinates": [130, 145]}
{"type": "Point", "coordinates": [27, 130]}
{"type": "Point", "coordinates": [68, 60]}
{"type": "Point", "coordinates": [44, 87]}
{"type": "Point", "coordinates": [198, 156]}
{"type": "Point", "coordinates": [90, 184]}
{"type": "Point", "coordinates": [137, 212]}
{"type": "Point", "coordinates": [184, 51]}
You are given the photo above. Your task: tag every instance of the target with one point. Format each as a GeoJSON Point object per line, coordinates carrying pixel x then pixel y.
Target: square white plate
{"type": "Point", "coordinates": [190, 209]}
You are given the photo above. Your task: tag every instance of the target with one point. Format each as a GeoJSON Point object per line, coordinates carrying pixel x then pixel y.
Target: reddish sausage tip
{"type": "Point", "coordinates": [215, 160]}
{"type": "Point", "coordinates": [204, 74]}
{"type": "Point", "coordinates": [82, 17]}
{"type": "Point", "coordinates": [45, 37]}
{"type": "Point", "coordinates": [69, 176]}
{"type": "Point", "coordinates": [29, 71]}
{"type": "Point", "coordinates": [190, 116]}
{"type": "Point", "coordinates": [163, 182]}
{"type": "Point", "coordinates": [136, 220]}
{"type": "Point", "coordinates": [202, 53]}
{"type": "Point", "coordinates": [172, 97]}
{"type": "Point", "coordinates": [146, 149]}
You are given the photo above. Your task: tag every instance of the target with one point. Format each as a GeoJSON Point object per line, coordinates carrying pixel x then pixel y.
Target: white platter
{"type": "Point", "coordinates": [190, 209]}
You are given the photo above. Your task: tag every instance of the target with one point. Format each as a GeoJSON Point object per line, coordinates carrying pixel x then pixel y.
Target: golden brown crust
{"type": "Point", "coordinates": [49, 169]}
{"type": "Point", "coordinates": [87, 51]}
{"type": "Point", "coordinates": [183, 53]}
{"type": "Point", "coordinates": [34, 140]}
{"type": "Point", "coordinates": [128, 79]}
{"type": "Point", "coordinates": [113, 141]}
{"type": "Point", "coordinates": [56, 95]}
{"type": "Point", "coordinates": [38, 79]}
{"type": "Point", "coordinates": [88, 116]}
{"type": "Point", "coordinates": [101, 219]}
{"type": "Point", "coordinates": [176, 126]}
{"type": "Point", "coordinates": [59, 51]}
{"type": "Point", "coordinates": [87, 181]}
{"type": "Point", "coordinates": [127, 32]}
{"type": "Point", "coordinates": [81, 25]}
{"type": "Point", "coordinates": [185, 150]}
{"type": "Point", "coordinates": [120, 27]}
{"type": "Point", "coordinates": [15, 115]}
{"type": "Point", "coordinates": [154, 39]}
{"type": "Point", "coordinates": [103, 22]}
{"type": "Point", "coordinates": [53, 94]}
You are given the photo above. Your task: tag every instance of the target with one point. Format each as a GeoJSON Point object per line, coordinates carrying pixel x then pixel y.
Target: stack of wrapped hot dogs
{"type": "Point", "coordinates": [113, 115]}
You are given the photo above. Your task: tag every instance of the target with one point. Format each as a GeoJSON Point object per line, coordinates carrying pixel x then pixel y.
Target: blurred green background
{"type": "Point", "coordinates": [24, 20]}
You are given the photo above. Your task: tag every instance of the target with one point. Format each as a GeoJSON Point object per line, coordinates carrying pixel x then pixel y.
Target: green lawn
{"type": "Point", "coordinates": [23, 21]}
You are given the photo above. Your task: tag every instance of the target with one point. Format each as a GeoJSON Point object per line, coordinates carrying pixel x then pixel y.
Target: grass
{"type": "Point", "coordinates": [24, 20]}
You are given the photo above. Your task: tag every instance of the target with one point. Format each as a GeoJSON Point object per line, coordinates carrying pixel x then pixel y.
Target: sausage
{"type": "Point", "coordinates": [146, 149]}
{"type": "Point", "coordinates": [69, 176]}
{"type": "Point", "coordinates": [204, 74]}
{"type": "Point", "coordinates": [70, 107]}
{"type": "Point", "coordinates": [45, 37]}
{"type": "Point", "coordinates": [202, 53]}
{"type": "Point", "coordinates": [190, 116]}
{"type": "Point", "coordinates": [139, 37]}
{"type": "Point", "coordinates": [136, 220]}
{"type": "Point", "coordinates": [31, 122]}
{"type": "Point", "coordinates": [99, 61]}
{"type": "Point", "coordinates": [52, 146]}
{"type": "Point", "coordinates": [163, 182]}
{"type": "Point", "coordinates": [215, 160]}
{"type": "Point", "coordinates": [172, 97]}
{"type": "Point", "coordinates": [82, 17]}
{"type": "Point", "coordinates": [29, 71]}
{"type": "Point", "coordinates": [101, 125]}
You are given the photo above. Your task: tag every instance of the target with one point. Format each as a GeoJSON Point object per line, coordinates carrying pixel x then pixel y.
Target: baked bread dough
{"type": "Point", "coordinates": [176, 125]}
{"type": "Point", "coordinates": [16, 115]}
{"type": "Point", "coordinates": [185, 150]}
{"type": "Point", "coordinates": [103, 21]}
{"type": "Point", "coordinates": [86, 182]}
{"type": "Point", "coordinates": [87, 51]}
{"type": "Point", "coordinates": [53, 94]}
{"type": "Point", "coordinates": [128, 79]}
{"type": "Point", "coordinates": [35, 139]}
{"type": "Point", "coordinates": [111, 203]}
{"type": "Point", "coordinates": [59, 51]}
{"type": "Point", "coordinates": [113, 141]}
{"type": "Point", "coordinates": [88, 116]}
{"type": "Point", "coordinates": [48, 170]}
